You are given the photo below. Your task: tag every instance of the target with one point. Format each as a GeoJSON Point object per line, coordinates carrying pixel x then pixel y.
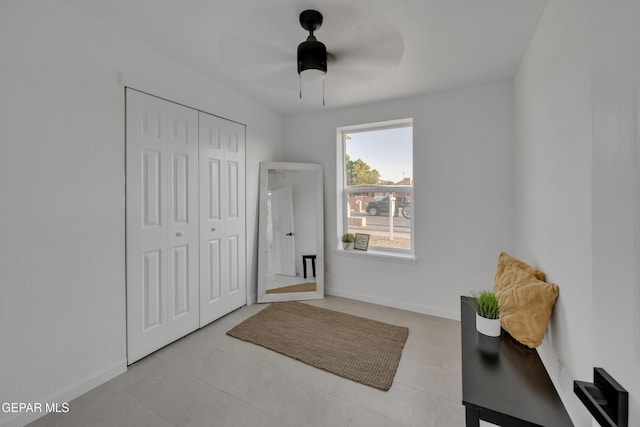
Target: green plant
{"type": "Point", "coordinates": [486, 305]}
{"type": "Point", "coordinates": [348, 238]}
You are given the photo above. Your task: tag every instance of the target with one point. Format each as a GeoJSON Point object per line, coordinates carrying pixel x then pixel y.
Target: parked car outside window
{"type": "Point", "coordinates": [378, 207]}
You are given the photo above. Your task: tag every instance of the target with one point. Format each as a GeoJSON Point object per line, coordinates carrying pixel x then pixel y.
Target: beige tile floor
{"type": "Point", "coordinates": [210, 379]}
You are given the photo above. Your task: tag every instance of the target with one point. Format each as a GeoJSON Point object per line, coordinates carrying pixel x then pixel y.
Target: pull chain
{"type": "Point", "coordinates": [323, 92]}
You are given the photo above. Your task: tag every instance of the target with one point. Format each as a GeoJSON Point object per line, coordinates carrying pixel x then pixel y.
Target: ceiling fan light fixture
{"type": "Point", "coordinates": [312, 54]}
{"type": "Point", "coordinates": [312, 75]}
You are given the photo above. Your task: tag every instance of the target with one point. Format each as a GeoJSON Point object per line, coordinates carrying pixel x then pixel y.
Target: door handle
{"type": "Point", "coordinates": [290, 234]}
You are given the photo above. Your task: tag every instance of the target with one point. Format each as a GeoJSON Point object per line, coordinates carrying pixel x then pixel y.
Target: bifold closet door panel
{"type": "Point", "coordinates": [222, 217]}
{"type": "Point", "coordinates": [162, 222]}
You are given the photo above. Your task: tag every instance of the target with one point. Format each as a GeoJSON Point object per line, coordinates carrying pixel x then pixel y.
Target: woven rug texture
{"type": "Point", "coordinates": [301, 287]}
{"type": "Point", "coordinates": [362, 350]}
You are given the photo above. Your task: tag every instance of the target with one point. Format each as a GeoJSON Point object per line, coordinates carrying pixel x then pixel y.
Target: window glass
{"type": "Point", "coordinates": [377, 171]}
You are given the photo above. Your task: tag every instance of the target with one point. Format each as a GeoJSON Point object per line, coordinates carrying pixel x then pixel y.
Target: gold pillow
{"type": "Point", "coordinates": [508, 267]}
{"type": "Point", "coordinates": [526, 306]}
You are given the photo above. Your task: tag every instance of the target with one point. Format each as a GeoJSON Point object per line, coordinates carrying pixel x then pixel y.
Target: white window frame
{"type": "Point", "coordinates": [342, 192]}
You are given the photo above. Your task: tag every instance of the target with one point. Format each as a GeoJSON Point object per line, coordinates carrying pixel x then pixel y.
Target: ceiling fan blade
{"type": "Point", "coordinates": [386, 48]}
{"type": "Point", "coordinates": [240, 50]}
{"type": "Point", "coordinates": [361, 44]}
{"type": "Point", "coordinates": [268, 36]}
{"type": "Point", "coordinates": [283, 76]}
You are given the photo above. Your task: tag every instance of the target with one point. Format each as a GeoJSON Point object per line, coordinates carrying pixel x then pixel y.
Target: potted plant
{"type": "Point", "coordinates": [487, 313]}
{"type": "Point", "coordinates": [347, 240]}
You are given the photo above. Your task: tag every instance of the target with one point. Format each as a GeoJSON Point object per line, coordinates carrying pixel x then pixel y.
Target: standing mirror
{"type": "Point", "coordinates": [291, 241]}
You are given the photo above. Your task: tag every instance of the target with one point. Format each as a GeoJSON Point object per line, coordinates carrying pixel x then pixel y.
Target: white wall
{"type": "Point", "coordinates": [576, 212]}
{"type": "Point", "coordinates": [62, 238]}
{"type": "Point", "coordinates": [615, 47]}
{"type": "Point", "coordinates": [553, 184]}
{"type": "Point", "coordinates": [463, 201]}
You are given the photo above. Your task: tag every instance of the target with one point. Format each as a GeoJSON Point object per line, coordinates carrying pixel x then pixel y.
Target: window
{"type": "Point", "coordinates": [375, 172]}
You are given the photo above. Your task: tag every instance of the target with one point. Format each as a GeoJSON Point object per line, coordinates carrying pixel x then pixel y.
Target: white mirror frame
{"type": "Point", "coordinates": [262, 296]}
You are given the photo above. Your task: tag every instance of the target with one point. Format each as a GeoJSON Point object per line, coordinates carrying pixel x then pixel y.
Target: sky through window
{"type": "Point", "coordinates": [387, 150]}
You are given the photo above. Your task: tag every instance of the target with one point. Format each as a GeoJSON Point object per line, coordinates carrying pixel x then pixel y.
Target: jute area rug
{"type": "Point", "coordinates": [362, 350]}
{"type": "Point", "coordinates": [302, 287]}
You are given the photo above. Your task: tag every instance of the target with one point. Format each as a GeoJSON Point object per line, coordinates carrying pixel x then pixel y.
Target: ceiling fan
{"type": "Point", "coordinates": [312, 54]}
{"type": "Point", "coordinates": [360, 46]}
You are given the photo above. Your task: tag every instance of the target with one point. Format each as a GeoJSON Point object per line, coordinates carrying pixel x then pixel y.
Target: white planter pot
{"type": "Point", "coordinates": [489, 327]}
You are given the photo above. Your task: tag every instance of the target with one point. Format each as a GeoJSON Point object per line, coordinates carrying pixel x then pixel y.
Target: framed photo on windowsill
{"type": "Point", "coordinates": [362, 242]}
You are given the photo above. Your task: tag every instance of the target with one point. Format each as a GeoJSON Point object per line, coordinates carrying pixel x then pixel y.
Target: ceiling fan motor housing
{"type": "Point", "coordinates": [312, 55]}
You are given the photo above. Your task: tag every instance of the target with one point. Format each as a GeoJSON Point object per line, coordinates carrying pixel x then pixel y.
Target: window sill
{"type": "Point", "coordinates": [378, 254]}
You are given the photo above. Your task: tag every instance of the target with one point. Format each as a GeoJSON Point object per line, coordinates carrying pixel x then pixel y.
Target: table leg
{"type": "Point", "coordinates": [472, 417]}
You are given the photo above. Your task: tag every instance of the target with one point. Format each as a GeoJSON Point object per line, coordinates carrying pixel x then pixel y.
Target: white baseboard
{"type": "Point", "coordinates": [395, 304]}
{"type": "Point", "coordinates": [68, 394]}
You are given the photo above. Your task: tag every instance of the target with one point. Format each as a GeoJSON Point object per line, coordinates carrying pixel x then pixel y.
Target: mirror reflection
{"type": "Point", "coordinates": [291, 262]}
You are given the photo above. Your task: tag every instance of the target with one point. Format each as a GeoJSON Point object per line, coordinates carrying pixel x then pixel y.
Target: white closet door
{"type": "Point", "coordinates": [162, 222]}
{"type": "Point", "coordinates": [222, 217]}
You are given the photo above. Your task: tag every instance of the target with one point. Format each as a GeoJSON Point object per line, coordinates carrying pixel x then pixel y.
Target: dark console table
{"type": "Point", "coordinates": [505, 382]}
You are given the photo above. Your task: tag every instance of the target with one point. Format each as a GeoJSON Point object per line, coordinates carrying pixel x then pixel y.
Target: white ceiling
{"type": "Point", "coordinates": [383, 49]}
